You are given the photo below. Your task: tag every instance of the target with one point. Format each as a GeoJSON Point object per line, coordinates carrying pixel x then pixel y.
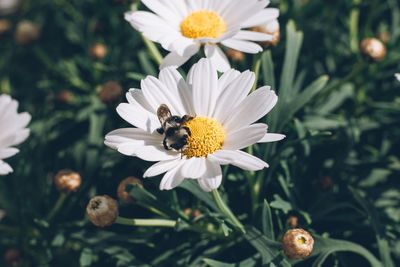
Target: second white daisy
{"type": "Point", "coordinates": [221, 122]}
{"type": "Point", "coordinates": [183, 26]}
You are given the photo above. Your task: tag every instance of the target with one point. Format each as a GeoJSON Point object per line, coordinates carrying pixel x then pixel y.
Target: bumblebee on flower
{"type": "Point", "coordinates": [184, 26]}
{"type": "Point", "coordinates": [219, 121]}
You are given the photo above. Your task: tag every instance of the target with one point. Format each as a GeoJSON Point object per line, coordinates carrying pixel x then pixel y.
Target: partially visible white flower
{"type": "Point", "coordinates": [271, 27]}
{"type": "Point", "coordinates": [397, 76]}
{"type": "Point", "coordinates": [183, 26]}
{"type": "Point", "coordinates": [224, 123]}
{"type": "Point", "coordinates": [8, 6]}
{"type": "Point", "coordinates": [12, 130]}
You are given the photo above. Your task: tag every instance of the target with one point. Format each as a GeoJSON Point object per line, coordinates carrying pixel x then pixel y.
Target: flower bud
{"type": "Point", "coordinates": [297, 244]}
{"type": "Point", "coordinates": [102, 211]}
{"type": "Point", "coordinates": [121, 191]}
{"type": "Point", "coordinates": [67, 181]}
{"type": "Point", "coordinates": [2, 215]}
{"type": "Point", "coordinates": [293, 221]}
{"type": "Point", "coordinates": [65, 97]}
{"type": "Point", "coordinates": [326, 182]}
{"type": "Point", "coordinates": [235, 55]}
{"type": "Point", "coordinates": [271, 28]}
{"type": "Point", "coordinates": [12, 257]}
{"type": "Point", "coordinates": [5, 25]}
{"type": "Point", "coordinates": [110, 92]}
{"type": "Point", "coordinates": [98, 51]}
{"type": "Point", "coordinates": [373, 49]}
{"type": "Point", "coordinates": [384, 36]}
{"type": "Point", "coordinates": [26, 32]}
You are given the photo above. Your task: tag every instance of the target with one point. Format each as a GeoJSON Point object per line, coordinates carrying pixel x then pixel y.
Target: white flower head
{"type": "Point", "coordinates": [223, 124]}
{"type": "Point", "coordinates": [397, 75]}
{"type": "Point", "coordinates": [12, 130]}
{"type": "Point", "coordinates": [183, 26]}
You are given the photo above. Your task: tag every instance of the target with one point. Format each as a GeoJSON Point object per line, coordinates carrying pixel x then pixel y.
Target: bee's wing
{"type": "Point", "coordinates": [163, 113]}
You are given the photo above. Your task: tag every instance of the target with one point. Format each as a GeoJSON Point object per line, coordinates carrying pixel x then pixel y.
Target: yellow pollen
{"type": "Point", "coordinates": [301, 240]}
{"type": "Point", "coordinates": [207, 136]}
{"type": "Point", "coordinates": [203, 24]}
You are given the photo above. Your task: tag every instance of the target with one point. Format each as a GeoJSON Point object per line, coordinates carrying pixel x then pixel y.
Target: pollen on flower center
{"type": "Point", "coordinates": [203, 24]}
{"type": "Point", "coordinates": [207, 136]}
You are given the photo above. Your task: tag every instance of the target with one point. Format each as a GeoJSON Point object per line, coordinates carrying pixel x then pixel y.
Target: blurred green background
{"type": "Point", "coordinates": [336, 174]}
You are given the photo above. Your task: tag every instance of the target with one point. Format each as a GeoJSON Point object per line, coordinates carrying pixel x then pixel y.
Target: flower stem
{"type": "Point", "coordinates": [146, 222]}
{"type": "Point", "coordinates": [226, 211]}
{"type": "Point", "coordinates": [256, 69]}
{"type": "Point", "coordinates": [60, 202]}
{"type": "Point", "coordinates": [156, 55]}
{"type": "Point", "coordinates": [354, 18]}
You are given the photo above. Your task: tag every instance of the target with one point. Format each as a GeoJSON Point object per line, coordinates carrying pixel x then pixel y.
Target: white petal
{"type": "Point", "coordinates": [194, 168]}
{"type": "Point", "coordinates": [397, 76]}
{"type": "Point", "coordinates": [261, 17]}
{"type": "Point", "coordinates": [8, 152]}
{"type": "Point", "coordinates": [253, 36]}
{"type": "Point", "coordinates": [244, 46]}
{"type": "Point", "coordinates": [213, 178]}
{"type": "Point", "coordinates": [233, 95]}
{"type": "Point", "coordinates": [163, 10]}
{"type": "Point", "coordinates": [132, 135]}
{"type": "Point", "coordinates": [217, 57]}
{"type": "Point", "coordinates": [5, 168]}
{"type": "Point", "coordinates": [239, 159]}
{"type": "Point", "coordinates": [138, 117]}
{"type": "Point", "coordinates": [161, 167]}
{"type": "Point", "coordinates": [271, 137]}
{"type": "Point", "coordinates": [245, 137]}
{"type": "Point", "coordinates": [148, 153]}
{"type": "Point", "coordinates": [172, 178]}
{"type": "Point", "coordinates": [226, 78]}
{"type": "Point", "coordinates": [253, 108]}
{"type": "Point", "coordinates": [204, 87]}
{"type": "Point", "coordinates": [136, 97]}
{"type": "Point", "coordinates": [173, 60]}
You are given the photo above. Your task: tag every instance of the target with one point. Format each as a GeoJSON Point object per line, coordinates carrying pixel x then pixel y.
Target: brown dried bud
{"type": "Point", "coordinates": [196, 213]}
{"type": "Point", "coordinates": [373, 48]}
{"type": "Point", "coordinates": [235, 55]}
{"type": "Point", "coordinates": [5, 25]}
{"type": "Point", "coordinates": [271, 28]}
{"type": "Point", "coordinates": [12, 257]}
{"type": "Point", "coordinates": [297, 244]}
{"type": "Point", "coordinates": [65, 97]}
{"type": "Point", "coordinates": [110, 92]}
{"type": "Point", "coordinates": [384, 36]}
{"type": "Point", "coordinates": [293, 221]}
{"type": "Point", "coordinates": [102, 211]}
{"type": "Point", "coordinates": [98, 51]}
{"type": "Point", "coordinates": [187, 211]}
{"type": "Point", "coordinates": [67, 181]}
{"type": "Point", "coordinates": [326, 182]}
{"type": "Point", "coordinates": [2, 214]}
{"type": "Point", "coordinates": [26, 32]}
{"type": "Point", "coordinates": [121, 191]}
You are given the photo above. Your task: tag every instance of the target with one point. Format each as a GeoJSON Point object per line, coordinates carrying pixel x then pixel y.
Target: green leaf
{"type": "Point", "coordinates": [281, 204]}
{"type": "Point", "coordinates": [266, 220]}
{"type": "Point", "coordinates": [194, 188]}
{"type": "Point", "coordinates": [268, 248]}
{"type": "Point", "coordinates": [267, 67]}
{"type": "Point", "coordinates": [323, 247]}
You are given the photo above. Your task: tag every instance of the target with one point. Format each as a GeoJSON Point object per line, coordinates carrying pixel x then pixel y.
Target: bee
{"type": "Point", "coordinates": [172, 127]}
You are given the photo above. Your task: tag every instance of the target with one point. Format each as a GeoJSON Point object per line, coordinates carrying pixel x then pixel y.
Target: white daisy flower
{"type": "Point", "coordinates": [223, 124]}
{"type": "Point", "coordinates": [13, 131]}
{"type": "Point", "coordinates": [397, 75]}
{"type": "Point", "coordinates": [183, 26]}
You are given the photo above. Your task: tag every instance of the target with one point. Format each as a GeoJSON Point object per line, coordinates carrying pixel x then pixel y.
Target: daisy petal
{"type": "Point", "coordinates": [217, 57]}
{"type": "Point", "coordinates": [244, 46]}
{"type": "Point", "coordinates": [253, 108]}
{"type": "Point", "coordinates": [161, 167]}
{"type": "Point", "coordinates": [205, 87]}
{"type": "Point", "coordinates": [212, 179]}
{"type": "Point", "coordinates": [271, 137]}
{"type": "Point", "coordinates": [253, 36]}
{"type": "Point", "coordinates": [5, 168]}
{"type": "Point", "coordinates": [138, 117]}
{"type": "Point", "coordinates": [8, 152]}
{"type": "Point", "coordinates": [174, 60]}
{"type": "Point", "coordinates": [194, 168]}
{"type": "Point", "coordinates": [245, 137]}
{"type": "Point", "coordinates": [132, 135]}
{"type": "Point", "coordinates": [148, 153]}
{"type": "Point", "coordinates": [227, 79]}
{"type": "Point", "coordinates": [239, 159]}
{"type": "Point", "coordinates": [261, 17]}
{"type": "Point", "coordinates": [172, 178]}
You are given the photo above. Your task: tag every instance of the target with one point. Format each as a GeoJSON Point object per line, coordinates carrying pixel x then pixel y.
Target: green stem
{"type": "Point", "coordinates": [155, 54]}
{"type": "Point", "coordinates": [226, 211]}
{"type": "Point", "coordinates": [256, 69]}
{"type": "Point", "coordinates": [354, 18]}
{"type": "Point", "coordinates": [60, 202]}
{"type": "Point", "coordinates": [146, 222]}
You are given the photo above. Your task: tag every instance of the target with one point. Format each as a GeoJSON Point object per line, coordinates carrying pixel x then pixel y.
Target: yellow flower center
{"type": "Point", "coordinates": [207, 136]}
{"type": "Point", "coordinates": [203, 24]}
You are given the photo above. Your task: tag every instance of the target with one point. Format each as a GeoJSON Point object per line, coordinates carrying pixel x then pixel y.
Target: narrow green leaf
{"type": "Point", "coordinates": [267, 68]}
{"type": "Point", "coordinates": [267, 225]}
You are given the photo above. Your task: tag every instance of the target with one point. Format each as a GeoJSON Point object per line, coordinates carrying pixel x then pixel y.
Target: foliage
{"type": "Point", "coordinates": [336, 170]}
